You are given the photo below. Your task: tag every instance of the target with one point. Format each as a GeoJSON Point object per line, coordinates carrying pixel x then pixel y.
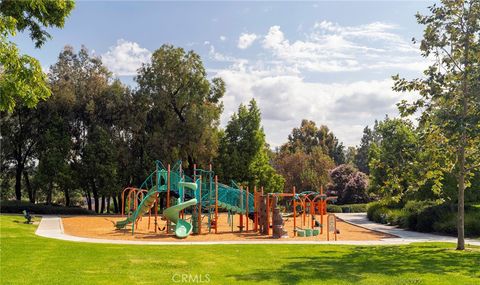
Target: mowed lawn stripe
{"type": "Point", "coordinates": [29, 259]}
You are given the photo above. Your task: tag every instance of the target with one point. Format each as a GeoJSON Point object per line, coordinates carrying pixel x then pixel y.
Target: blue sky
{"type": "Point", "coordinates": [330, 62]}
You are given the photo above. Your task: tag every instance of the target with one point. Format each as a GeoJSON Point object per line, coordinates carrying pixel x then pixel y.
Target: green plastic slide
{"type": "Point", "coordinates": [145, 206]}
{"type": "Point", "coordinates": [182, 227]}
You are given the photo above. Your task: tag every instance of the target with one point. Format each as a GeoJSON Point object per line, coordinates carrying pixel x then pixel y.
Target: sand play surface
{"type": "Point", "coordinates": [103, 227]}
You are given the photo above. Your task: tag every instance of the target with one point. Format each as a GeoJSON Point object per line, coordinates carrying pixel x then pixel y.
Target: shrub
{"type": "Point", "coordinates": [472, 223]}
{"type": "Point", "coordinates": [429, 215]}
{"type": "Point", "coordinates": [425, 216]}
{"type": "Point", "coordinates": [334, 209]}
{"type": "Point", "coordinates": [395, 216]}
{"type": "Point", "coordinates": [447, 223]}
{"type": "Point", "coordinates": [378, 212]}
{"type": "Point", "coordinates": [19, 206]}
{"type": "Point", "coordinates": [354, 208]}
{"type": "Point", "coordinates": [349, 184]}
{"type": "Point", "coordinates": [414, 210]}
{"type": "Point", "coordinates": [372, 208]}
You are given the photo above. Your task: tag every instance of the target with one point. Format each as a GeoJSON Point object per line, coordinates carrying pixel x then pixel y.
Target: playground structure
{"type": "Point", "coordinates": [191, 203]}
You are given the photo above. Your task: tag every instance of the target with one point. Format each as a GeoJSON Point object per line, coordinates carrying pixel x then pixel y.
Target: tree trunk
{"type": "Point", "coordinates": [18, 181]}
{"type": "Point", "coordinates": [108, 205]}
{"type": "Point", "coordinates": [102, 206]}
{"type": "Point", "coordinates": [463, 144]}
{"type": "Point", "coordinates": [95, 197]}
{"type": "Point", "coordinates": [461, 206]}
{"type": "Point", "coordinates": [190, 169]}
{"type": "Point", "coordinates": [96, 202]}
{"type": "Point", "coordinates": [89, 200]}
{"type": "Point", "coordinates": [31, 195]}
{"type": "Point", "coordinates": [49, 193]}
{"type": "Point", "coordinates": [115, 204]}
{"type": "Point", "coordinates": [120, 202]}
{"type": "Point", "coordinates": [462, 173]}
{"type": "Point", "coordinates": [67, 197]}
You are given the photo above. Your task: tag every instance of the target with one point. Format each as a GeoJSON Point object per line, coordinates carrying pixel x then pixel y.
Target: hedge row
{"type": "Point", "coordinates": [425, 216]}
{"type": "Point", "coordinates": [19, 206]}
{"type": "Point", "coordinates": [348, 208]}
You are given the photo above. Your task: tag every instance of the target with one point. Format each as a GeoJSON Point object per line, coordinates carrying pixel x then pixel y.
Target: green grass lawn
{"type": "Point", "coordinates": [28, 259]}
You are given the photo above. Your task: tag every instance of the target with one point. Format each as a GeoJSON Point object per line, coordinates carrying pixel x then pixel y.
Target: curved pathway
{"type": "Point", "coordinates": [51, 227]}
{"type": "Point", "coordinates": [361, 220]}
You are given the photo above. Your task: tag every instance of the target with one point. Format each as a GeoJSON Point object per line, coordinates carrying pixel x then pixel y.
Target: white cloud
{"type": "Point", "coordinates": [245, 40]}
{"type": "Point", "coordinates": [276, 78]}
{"type": "Point", "coordinates": [125, 57]}
{"type": "Point", "coordinates": [217, 56]}
{"type": "Point", "coordinates": [287, 99]}
{"type": "Point", "coordinates": [223, 38]}
{"type": "Point", "coordinates": [330, 47]}
{"type": "Point", "coordinates": [354, 64]}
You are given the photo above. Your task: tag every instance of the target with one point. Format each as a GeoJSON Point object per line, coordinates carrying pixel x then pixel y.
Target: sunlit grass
{"type": "Point", "coordinates": [29, 259]}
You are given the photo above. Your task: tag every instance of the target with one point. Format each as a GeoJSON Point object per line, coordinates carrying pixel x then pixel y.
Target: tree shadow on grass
{"type": "Point", "coordinates": [352, 266]}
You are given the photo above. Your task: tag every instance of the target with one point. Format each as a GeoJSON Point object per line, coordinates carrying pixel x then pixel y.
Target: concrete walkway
{"type": "Point", "coordinates": [361, 220]}
{"type": "Point", "coordinates": [51, 227]}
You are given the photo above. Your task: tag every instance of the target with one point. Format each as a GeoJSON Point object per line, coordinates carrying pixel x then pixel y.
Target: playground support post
{"type": "Point", "coordinates": [268, 215]}
{"type": "Point", "coordinates": [200, 208]}
{"type": "Point", "coordinates": [321, 210]}
{"type": "Point", "coordinates": [123, 202]}
{"type": "Point", "coordinates": [304, 211]}
{"type": "Point", "coordinates": [246, 208]}
{"type": "Point", "coordinates": [182, 212]}
{"type": "Point", "coordinates": [149, 217]}
{"type": "Point", "coordinates": [156, 213]}
{"type": "Point", "coordinates": [128, 190]}
{"type": "Point", "coordinates": [241, 206]}
{"type": "Point", "coordinates": [294, 213]}
{"type": "Point", "coordinates": [312, 213]}
{"type": "Point", "coordinates": [216, 204]}
{"type": "Point", "coordinates": [255, 209]}
{"type": "Point", "coordinates": [135, 200]}
{"type": "Point", "coordinates": [209, 204]}
{"type": "Point", "coordinates": [168, 195]}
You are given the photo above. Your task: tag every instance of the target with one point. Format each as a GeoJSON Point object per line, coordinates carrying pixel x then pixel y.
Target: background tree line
{"type": "Point", "coordinates": [95, 135]}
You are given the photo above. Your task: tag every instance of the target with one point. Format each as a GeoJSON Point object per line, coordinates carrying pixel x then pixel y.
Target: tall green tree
{"type": "Point", "coordinates": [53, 158]}
{"type": "Point", "coordinates": [22, 80]}
{"type": "Point", "coordinates": [350, 154]}
{"type": "Point", "coordinates": [183, 107]}
{"type": "Point", "coordinates": [291, 166]}
{"type": "Point", "coordinates": [85, 95]}
{"type": "Point", "coordinates": [361, 159]}
{"type": "Point", "coordinates": [449, 91]}
{"type": "Point", "coordinates": [318, 165]}
{"type": "Point", "coordinates": [308, 136]}
{"type": "Point", "coordinates": [19, 142]}
{"type": "Point", "coordinates": [243, 154]}
{"type": "Point", "coordinates": [98, 166]}
{"type": "Point", "coordinates": [392, 159]}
